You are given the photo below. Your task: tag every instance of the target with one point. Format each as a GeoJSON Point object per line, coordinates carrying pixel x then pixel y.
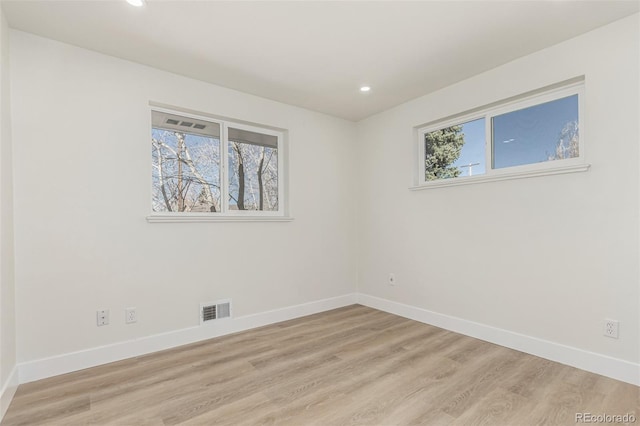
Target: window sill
{"type": "Point", "coordinates": [502, 176]}
{"type": "Point", "coordinates": [186, 218]}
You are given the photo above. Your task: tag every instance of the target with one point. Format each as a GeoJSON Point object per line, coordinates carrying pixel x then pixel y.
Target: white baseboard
{"type": "Point", "coordinates": [66, 363]}
{"type": "Point", "coordinates": [7, 391]}
{"type": "Point", "coordinates": [590, 361]}
{"type": "Point", "coordinates": [47, 367]}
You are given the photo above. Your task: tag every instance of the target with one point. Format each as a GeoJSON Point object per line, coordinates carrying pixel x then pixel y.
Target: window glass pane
{"type": "Point", "coordinates": [455, 151]}
{"type": "Point", "coordinates": [186, 164]}
{"type": "Point", "coordinates": [540, 133]}
{"type": "Point", "coordinates": [253, 176]}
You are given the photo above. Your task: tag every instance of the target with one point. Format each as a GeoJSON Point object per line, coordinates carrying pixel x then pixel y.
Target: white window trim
{"type": "Point", "coordinates": [199, 217]}
{"type": "Point", "coordinates": [231, 215]}
{"type": "Point", "coordinates": [569, 165]}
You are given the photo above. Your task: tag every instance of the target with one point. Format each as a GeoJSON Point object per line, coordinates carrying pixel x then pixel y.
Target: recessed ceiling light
{"type": "Point", "coordinates": [365, 88]}
{"type": "Point", "coordinates": [136, 3]}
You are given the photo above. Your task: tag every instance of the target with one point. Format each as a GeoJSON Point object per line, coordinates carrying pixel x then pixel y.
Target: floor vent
{"type": "Point", "coordinates": [215, 310]}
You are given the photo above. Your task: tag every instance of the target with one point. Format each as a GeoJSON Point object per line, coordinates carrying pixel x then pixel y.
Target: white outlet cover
{"type": "Point", "coordinates": [611, 328]}
{"type": "Point", "coordinates": [102, 317]}
{"type": "Point", "coordinates": [130, 315]}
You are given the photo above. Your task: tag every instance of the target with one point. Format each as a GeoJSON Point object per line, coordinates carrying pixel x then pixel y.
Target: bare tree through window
{"type": "Point", "coordinates": [187, 160]}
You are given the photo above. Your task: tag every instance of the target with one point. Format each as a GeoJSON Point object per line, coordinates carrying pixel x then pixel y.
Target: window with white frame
{"type": "Point", "coordinates": [214, 167]}
{"type": "Point", "coordinates": [533, 135]}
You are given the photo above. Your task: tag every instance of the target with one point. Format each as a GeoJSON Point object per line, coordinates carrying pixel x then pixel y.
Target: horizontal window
{"type": "Point", "coordinates": [533, 134]}
{"type": "Point", "coordinates": [202, 166]}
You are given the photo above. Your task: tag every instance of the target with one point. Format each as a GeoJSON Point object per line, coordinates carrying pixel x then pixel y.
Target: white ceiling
{"type": "Point", "coordinates": [317, 54]}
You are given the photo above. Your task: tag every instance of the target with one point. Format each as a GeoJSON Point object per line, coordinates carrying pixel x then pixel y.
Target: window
{"type": "Point", "coordinates": [202, 166]}
{"type": "Point", "coordinates": [544, 132]}
{"type": "Point", "coordinates": [455, 151]}
{"type": "Point", "coordinates": [534, 135]}
{"type": "Point", "coordinates": [253, 165]}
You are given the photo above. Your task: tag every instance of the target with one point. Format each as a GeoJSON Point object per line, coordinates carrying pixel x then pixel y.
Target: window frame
{"type": "Point", "coordinates": [227, 215]}
{"type": "Point", "coordinates": [567, 165]}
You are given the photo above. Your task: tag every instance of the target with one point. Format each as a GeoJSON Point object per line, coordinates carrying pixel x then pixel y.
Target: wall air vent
{"type": "Point", "coordinates": [176, 123]}
{"type": "Point", "coordinates": [209, 313]}
{"type": "Point", "coordinates": [215, 310]}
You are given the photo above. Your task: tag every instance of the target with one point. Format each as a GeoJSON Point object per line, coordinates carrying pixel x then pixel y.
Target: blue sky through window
{"type": "Point", "coordinates": [473, 149]}
{"type": "Point", "coordinates": [530, 135]}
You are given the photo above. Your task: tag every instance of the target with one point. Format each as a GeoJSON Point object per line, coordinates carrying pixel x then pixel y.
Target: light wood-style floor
{"type": "Point", "coordinates": [353, 365]}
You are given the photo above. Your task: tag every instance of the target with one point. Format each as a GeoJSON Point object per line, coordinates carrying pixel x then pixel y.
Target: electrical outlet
{"type": "Point", "coordinates": [392, 280]}
{"type": "Point", "coordinates": [130, 315]}
{"type": "Point", "coordinates": [102, 317]}
{"type": "Point", "coordinates": [611, 328]}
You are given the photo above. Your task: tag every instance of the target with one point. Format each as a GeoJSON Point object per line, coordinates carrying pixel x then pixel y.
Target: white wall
{"type": "Point", "coordinates": [81, 124]}
{"type": "Point", "coordinates": [7, 287]}
{"type": "Point", "coordinates": [547, 257]}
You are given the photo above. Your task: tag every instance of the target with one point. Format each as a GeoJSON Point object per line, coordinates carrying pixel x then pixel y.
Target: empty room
{"type": "Point", "coordinates": [319, 212]}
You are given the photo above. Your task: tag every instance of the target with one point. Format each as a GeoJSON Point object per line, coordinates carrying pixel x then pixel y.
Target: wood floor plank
{"type": "Point", "coordinates": [350, 366]}
{"type": "Point", "coordinates": [51, 413]}
{"type": "Point", "coordinates": [500, 407]}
